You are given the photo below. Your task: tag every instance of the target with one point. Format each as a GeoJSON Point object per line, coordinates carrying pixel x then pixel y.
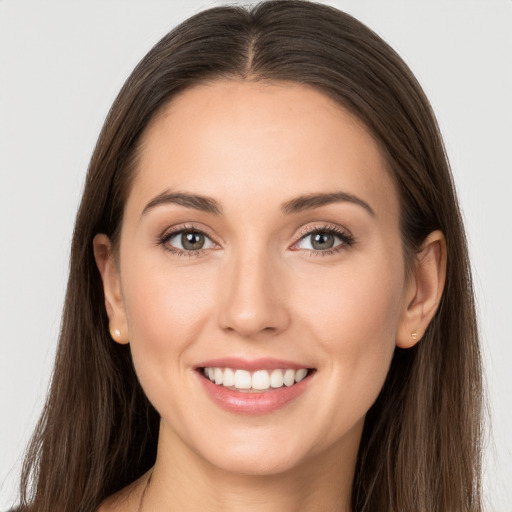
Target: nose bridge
{"type": "Point", "coordinates": [252, 297]}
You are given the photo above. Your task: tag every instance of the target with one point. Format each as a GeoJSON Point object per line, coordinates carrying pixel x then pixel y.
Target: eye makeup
{"type": "Point", "coordinates": [188, 240]}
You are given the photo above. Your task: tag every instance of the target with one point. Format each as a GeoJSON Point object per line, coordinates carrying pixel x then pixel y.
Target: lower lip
{"type": "Point", "coordinates": [253, 403]}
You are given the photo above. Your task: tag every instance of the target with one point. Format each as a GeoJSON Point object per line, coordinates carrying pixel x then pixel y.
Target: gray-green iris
{"type": "Point", "coordinates": [322, 241]}
{"type": "Point", "coordinates": [192, 241]}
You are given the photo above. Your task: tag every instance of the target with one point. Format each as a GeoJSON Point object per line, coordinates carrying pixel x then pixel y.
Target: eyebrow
{"type": "Point", "coordinates": [295, 205]}
{"type": "Point", "coordinates": [311, 201]}
{"type": "Point", "coordinates": [197, 202]}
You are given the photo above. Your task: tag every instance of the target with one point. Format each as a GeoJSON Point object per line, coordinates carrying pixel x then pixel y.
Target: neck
{"type": "Point", "coordinates": [184, 481]}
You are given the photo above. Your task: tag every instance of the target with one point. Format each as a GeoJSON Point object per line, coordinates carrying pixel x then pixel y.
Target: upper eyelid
{"type": "Point", "coordinates": [180, 228]}
{"type": "Point", "coordinates": [302, 233]}
{"type": "Point", "coordinates": [320, 229]}
{"type": "Point", "coordinates": [306, 231]}
{"type": "Point", "coordinates": [332, 228]}
{"type": "Point", "coordinates": [170, 233]}
{"type": "Point", "coordinates": [346, 237]}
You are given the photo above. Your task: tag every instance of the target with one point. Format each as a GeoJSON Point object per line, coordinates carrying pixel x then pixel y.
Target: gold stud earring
{"type": "Point", "coordinates": [414, 335]}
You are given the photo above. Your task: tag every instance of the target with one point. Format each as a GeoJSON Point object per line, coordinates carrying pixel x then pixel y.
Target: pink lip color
{"type": "Point", "coordinates": [252, 403]}
{"type": "Point", "coordinates": [251, 366]}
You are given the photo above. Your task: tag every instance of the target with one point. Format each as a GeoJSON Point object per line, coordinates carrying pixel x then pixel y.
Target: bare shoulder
{"type": "Point", "coordinates": [127, 499]}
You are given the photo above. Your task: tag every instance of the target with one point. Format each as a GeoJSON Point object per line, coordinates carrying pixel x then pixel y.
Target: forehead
{"type": "Point", "coordinates": [240, 139]}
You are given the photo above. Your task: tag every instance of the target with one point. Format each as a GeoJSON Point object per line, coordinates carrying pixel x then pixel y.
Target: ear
{"type": "Point", "coordinates": [423, 291]}
{"type": "Point", "coordinates": [109, 270]}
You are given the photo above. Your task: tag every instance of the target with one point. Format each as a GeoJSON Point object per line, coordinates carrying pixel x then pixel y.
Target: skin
{"type": "Point", "coordinates": [260, 289]}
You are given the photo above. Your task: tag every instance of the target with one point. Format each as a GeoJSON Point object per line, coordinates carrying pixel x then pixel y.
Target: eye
{"type": "Point", "coordinates": [188, 240]}
{"type": "Point", "coordinates": [324, 240]}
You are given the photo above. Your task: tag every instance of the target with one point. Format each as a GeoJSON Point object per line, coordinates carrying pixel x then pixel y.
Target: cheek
{"type": "Point", "coordinates": [165, 313]}
{"type": "Point", "coordinates": [354, 318]}
{"type": "Point", "coordinates": [360, 302]}
{"type": "Point", "coordinates": [163, 305]}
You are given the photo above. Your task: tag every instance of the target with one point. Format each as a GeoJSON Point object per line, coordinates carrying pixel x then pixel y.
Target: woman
{"type": "Point", "coordinates": [269, 304]}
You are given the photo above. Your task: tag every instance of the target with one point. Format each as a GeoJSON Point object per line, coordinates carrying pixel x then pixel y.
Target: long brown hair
{"type": "Point", "coordinates": [420, 448]}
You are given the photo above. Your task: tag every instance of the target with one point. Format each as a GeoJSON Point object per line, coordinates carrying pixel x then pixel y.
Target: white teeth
{"type": "Point", "coordinates": [300, 374]}
{"type": "Point", "coordinates": [289, 377]}
{"type": "Point", "coordinates": [258, 380]}
{"type": "Point", "coordinates": [243, 379]}
{"type": "Point", "coordinates": [276, 379]}
{"type": "Point", "coordinates": [219, 375]}
{"type": "Point", "coordinates": [229, 377]}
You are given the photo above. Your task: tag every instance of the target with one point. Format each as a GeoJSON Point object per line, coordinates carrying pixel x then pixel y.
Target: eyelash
{"type": "Point", "coordinates": [347, 240]}
{"type": "Point", "coordinates": [167, 235]}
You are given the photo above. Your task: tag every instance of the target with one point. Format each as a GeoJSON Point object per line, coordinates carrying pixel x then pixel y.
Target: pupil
{"type": "Point", "coordinates": [322, 241]}
{"type": "Point", "coordinates": [192, 241]}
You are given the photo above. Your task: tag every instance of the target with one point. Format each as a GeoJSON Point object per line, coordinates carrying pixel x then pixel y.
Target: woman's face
{"type": "Point", "coordinates": [260, 242]}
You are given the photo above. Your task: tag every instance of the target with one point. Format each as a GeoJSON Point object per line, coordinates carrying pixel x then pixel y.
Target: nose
{"type": "Point", "coordinates": [253, 299]}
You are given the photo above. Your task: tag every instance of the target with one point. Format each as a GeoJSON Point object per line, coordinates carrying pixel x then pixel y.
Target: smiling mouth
{"type": "Point", "coordinates": [256, 381]}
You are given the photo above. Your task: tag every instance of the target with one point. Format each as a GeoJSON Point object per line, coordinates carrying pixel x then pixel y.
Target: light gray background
{"type": "Point", "coordinates": [61, 65]}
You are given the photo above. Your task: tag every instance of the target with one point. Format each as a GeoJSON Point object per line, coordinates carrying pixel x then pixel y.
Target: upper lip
{"type": "Point", "coordinates": [251, 365]}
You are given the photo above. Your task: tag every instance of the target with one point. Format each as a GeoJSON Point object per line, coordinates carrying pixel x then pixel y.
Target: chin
{"type": "Point", "coordinates": [257, 451]}
{"type": "Point", "coordinates": [262, 463]}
